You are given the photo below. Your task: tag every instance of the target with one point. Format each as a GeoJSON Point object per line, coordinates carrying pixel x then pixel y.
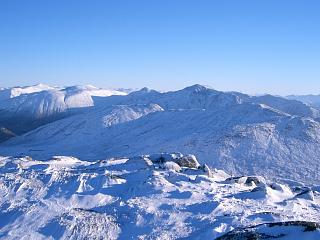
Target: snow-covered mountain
{"type": "Point", "coordinates": [25, 108]}
{"type": "Point", "coordinates": [13, 92]}
{"type": "Point", "coordinates": [267, 135]}
{"type": "Point", "coordinates": [41, 101]}
{"type": "Point", "coordinates": [161, 196]}
{"type": "Point", "coordinates": [312, 100]}
{"type": "Point", "coordinates": [7, 93]}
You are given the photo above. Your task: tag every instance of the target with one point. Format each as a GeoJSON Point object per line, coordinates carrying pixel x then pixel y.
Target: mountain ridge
{"type": "Point", "coordinates": [266, 135]}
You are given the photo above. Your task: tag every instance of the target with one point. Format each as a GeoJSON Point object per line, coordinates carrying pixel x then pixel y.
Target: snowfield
{"type": "Point", "coordinates": [159, 196]}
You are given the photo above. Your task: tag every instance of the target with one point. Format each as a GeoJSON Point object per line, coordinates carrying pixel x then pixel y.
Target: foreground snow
{"type": "Point", "coordinates": [150, 197]}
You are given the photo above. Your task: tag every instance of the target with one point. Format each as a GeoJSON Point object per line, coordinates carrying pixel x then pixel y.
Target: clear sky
{"type": "Point", "coordinates": [253, 46]}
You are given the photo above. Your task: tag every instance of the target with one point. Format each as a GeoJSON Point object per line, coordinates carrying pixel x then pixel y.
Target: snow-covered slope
{"type": "Point", "coordinates": [292, 107]}
{"type": "Point", "coordinates": [47, 103]}
{"type": "Point", "coordinates": [41, 101]}
{"type": "Point", "coordinates": [6, 93]}
{"type": "Point", "coordinates": [82, 134]}
{"type": "Point", "coordinates": [148, 197]}
{"type": "Point", "coordinates": [96, 92]}
{"type": "Point", "coordinates": [268, 135]}
{"type": "Point", "coordinates": [23, 109]}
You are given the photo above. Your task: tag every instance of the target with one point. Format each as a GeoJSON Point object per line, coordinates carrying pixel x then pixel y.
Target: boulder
{"type": "Point", "coordinates": [206, 170]}
{"type": "Point", "coordinates": [247, 180]}
{"type": "Point", "coordinates": [164, 157]}
{"type": "Point", "coordinates": [288, 230]}
{"type": "Point", "coordinates": [189, 161]}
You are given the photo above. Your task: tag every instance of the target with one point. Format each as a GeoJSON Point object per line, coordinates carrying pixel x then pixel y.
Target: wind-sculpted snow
{"type": "Point", "coordinates": [157, 196]}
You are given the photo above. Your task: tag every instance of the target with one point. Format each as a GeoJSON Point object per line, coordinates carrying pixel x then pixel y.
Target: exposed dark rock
{"type": "Point", "coordinates": [247, 180]}
{"type": "Point", "coordinates": [5, 134]}
{"type": "Point", "coordinates": [164, 157]}
{"type": "Point", "coordinates": [189, 161]}
{"type": "Point", "coordinates": [256, 232]}
{"type": "Point", "coordinates": [207, 170]}
{"type": "Point", "coordinates": [306, 193]}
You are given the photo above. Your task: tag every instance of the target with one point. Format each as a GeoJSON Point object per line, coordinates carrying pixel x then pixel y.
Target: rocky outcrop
{"type": "Point", "coordinates": [189, 161]}
{"type": "Point", "coordinates": [5, 134]}
{"type": "Point", "coordinates": [268, 231]}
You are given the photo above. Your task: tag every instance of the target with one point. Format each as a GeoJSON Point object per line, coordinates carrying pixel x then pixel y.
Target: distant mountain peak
{"type": "Point", "coordinates": [197, 88]}
{"type": "Point", "coordinates": [144, 91]}
{"type": "Point", "coordinates": [42, 85]}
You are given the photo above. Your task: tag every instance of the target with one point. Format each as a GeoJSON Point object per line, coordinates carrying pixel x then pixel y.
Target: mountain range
{"type": "Point", "coordinates": [276, 137]}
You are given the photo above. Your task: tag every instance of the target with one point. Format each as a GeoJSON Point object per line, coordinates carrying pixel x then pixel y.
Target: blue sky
{"type": "Point", "coordinates": [250, 46]}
